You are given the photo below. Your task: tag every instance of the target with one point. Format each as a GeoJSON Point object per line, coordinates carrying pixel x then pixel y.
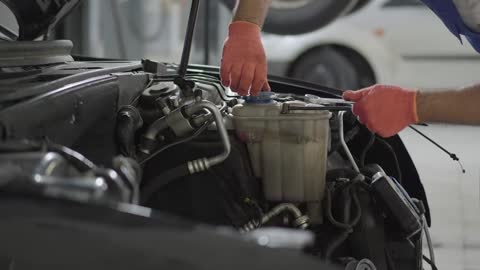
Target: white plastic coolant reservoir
{"type": "Point", "coordinates": [288, 150]}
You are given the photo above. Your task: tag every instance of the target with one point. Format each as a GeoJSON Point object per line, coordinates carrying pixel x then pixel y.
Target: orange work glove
{"type": "Point", "coordinates": [385, 110]}
{"type": "Point", "coordinates": [244, 63]}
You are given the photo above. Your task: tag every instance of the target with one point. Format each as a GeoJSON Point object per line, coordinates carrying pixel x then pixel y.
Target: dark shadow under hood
{"type": "Point", "coordinates": [37, 17]}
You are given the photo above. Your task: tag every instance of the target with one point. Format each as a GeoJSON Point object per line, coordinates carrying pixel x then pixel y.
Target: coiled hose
{"type": "Point", "coordinates": [352, 213]}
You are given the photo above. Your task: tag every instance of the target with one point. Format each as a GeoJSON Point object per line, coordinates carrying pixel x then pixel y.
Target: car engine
{"type": "Point", "coordinates": [274, 165]}
{"type": "Point", "coordinates": [118, 142]}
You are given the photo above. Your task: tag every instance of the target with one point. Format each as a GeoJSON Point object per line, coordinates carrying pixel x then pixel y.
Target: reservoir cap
{"type": "Point", "coordinates": [262, 98]}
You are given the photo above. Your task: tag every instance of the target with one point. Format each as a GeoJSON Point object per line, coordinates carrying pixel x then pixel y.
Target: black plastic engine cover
{"type": "Point", "coordinates": [39, 234]}
{"type": "Point", "coordinates": [80, 115]}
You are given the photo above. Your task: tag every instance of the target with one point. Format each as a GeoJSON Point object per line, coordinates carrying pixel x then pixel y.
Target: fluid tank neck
{"type": "Point", "coordinates": [262, 98]}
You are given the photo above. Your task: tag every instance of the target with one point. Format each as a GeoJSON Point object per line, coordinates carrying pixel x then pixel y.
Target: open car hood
{"type": "Point", "coordinates": [37, 17]}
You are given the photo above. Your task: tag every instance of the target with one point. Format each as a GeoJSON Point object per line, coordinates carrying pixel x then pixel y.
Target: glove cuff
{"type": "Point", "coordinates": [244, 30]}
{"type": "Point", "coordinates": [414, 110]}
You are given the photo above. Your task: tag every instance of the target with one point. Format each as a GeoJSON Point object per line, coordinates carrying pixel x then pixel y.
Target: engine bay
{"type": "Point", "coordinates": [277, 164]}
{"type": "Point", "coordinates": [291, 169]}
{"type": "Point", "coordinates": [277, 160]}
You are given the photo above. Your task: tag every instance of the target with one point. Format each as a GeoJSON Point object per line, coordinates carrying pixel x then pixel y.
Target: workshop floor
{"type": "Point", "coordinates": [454, 197]}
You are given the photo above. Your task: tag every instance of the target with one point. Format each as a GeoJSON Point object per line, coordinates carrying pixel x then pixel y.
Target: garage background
{"type": "Point", "coordinates": [145, 29]}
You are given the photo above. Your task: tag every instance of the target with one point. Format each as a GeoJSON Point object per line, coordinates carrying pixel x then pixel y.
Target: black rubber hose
{"type": "Point", "coordinates": [348, 204]}
{"type": "Point", "coordinates": [395, 159]}
{"type": "Point", "coordinates": [328, 209]}
{"type": "Point", "coordinates": [369, 145]}
{"type": "Point", "coordinates": [347, 224]}
{"type": "Point", "coordinates": [356, 203]}
{"type": "Point", "coordinates": [336, 243]}
{"type": "Point", "coordinates": [162, 181]}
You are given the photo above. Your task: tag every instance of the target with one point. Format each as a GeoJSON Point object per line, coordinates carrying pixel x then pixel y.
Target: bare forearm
{"type": "Point", "coordinates": [254, 11]}
{"type": "Point", "coordinates": [460, 106]}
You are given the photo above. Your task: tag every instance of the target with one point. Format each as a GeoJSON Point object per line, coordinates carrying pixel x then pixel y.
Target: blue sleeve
{"type": "Point", "coordinates": [448, 13]}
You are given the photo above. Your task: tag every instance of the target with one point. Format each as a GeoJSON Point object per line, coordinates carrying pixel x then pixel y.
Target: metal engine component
{"type": "Point", "coordinates": [159, 90]}
{"type": "Point", "coordinates": [153, 101]}
{"type": "Point", "coordinates": [344, 144]}
{"type": "Point", "coordinates": [300, 221]}
{"type": "Point", "coordinates": [189, 112]}
{"type": "Point", "coordinates": [131, 172]}
{"type": "Point", "coordinates": [179, 124]}
{"type": "Point", "coordinates": [288, 151]}
{"type": "Point", "coordinates": [205, 163]}
{"type": "Point", "coordinates": [53, 175]}
{"type": "Point", "coordinates": [182, 122]}
{"type": "Point", "coordinates": [199, 165]}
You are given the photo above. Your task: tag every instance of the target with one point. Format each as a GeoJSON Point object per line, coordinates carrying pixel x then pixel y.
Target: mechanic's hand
{"type": "Point", "coordinates": [385, 110]}
{"type": "Point", "coordinates": [244, 63]}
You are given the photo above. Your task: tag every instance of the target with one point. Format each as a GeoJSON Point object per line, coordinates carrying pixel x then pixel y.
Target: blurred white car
{"type": "Point", "coordinates": [386, 41]}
